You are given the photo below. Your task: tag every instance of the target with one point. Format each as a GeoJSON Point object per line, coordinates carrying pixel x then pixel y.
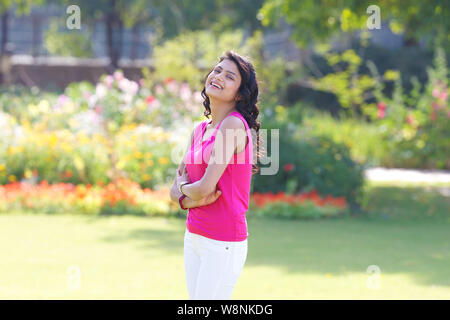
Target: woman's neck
{"type": "Point", "coordinates": [219, 110]}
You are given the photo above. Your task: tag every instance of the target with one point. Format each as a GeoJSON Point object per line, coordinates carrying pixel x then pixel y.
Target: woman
{"type": "Point", "coordinates": [214, 177]}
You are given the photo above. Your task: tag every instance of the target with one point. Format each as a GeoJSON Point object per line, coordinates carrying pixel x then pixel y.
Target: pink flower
{"type": "Point", "coordinates": [443, 95]}
{"type": "Point", "coordinates": [62, 99]}
{"type": "Point", "coordinates": [410, 119]}
{"type": "Point", "coordinates": [435, 93]}
{"type": "Point", "coordinates": [109, 81]}
{"type": "Point", "coordinates": [288, 167]}
{"type": "Point", "coordinates": [185, 92]}
{"type": "Point", "coordinates": [98, 109]}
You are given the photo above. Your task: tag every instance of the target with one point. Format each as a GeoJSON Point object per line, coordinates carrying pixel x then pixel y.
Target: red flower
{"type": "Point", "coordinates": [410, 119]}
{"type": "Point", "coordinates": [381, 110]}
{"type": "Point", "coordinates": [149, 99]}
{"type": "Point", "coordinates": [288, 167]}
{"type": "Point", "coordinates": [433, 115]}
{"type": "Point", "coordinates": [168, 80]}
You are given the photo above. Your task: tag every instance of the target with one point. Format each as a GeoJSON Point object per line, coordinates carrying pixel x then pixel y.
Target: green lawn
{"type": "Point", "coordinates": [406, 233]}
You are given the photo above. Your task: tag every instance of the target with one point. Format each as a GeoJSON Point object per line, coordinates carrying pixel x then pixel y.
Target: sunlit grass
{"type": "Point", "coordinates": [126, 257]}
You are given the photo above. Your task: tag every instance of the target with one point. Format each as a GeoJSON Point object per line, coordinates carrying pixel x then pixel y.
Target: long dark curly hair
{"type": "Point", "coordinates": [248, 96]}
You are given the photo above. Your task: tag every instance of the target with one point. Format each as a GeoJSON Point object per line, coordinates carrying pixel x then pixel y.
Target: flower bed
{"type": "Point", "coordinates": [124, 197]}
{"type": "Point", "coordinates": [305, 205]}
{"type": "Point", "coordinates": [127, 197]}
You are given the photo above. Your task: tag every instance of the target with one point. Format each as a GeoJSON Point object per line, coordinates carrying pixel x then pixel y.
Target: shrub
{"type": "Point", "coordinates": [310, 162]}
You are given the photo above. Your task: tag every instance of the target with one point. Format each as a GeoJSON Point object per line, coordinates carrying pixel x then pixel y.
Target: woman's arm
{"type": "Point", "coordinates": [221, 155]}
{"type": "Point", "coordinates": [190, 203]}
{"type": "Point", "coordinates": [174, 192]}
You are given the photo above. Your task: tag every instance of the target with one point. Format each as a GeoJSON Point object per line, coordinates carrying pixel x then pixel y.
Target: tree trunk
{"type": "Point", "coordinates": [4, 33]}
{"type": "Point", "coordinates": [114, 35]}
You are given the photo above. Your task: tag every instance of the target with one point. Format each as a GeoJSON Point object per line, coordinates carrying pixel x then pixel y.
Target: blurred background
{"type": "Point", "coordinates": [97, 102]}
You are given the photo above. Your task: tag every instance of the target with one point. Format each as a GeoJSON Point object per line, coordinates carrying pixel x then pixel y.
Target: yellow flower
{"type": "Point", "coordinates": [2, 167]}
{"type": "Point", "coordinates": [146, 177]}
{"type": "Point", "coordinates": [11, 150]}
{"type": "Point", "coordinates": [12, 178]}
{"type": "Point", "coordinates": [66, 147]}
{"type": "Point", "coordinates": [148, 154]}
{"type": "Point", "coordinates": [28, 174]}
{"type": "Point", "coordinates": [163, 160]}
{"type": "Point", "coordinates": [138, 154]}
{"type": "Point", "coordinates": [53, 140]}
{"type": "Point", "coordinates": [150, 163]}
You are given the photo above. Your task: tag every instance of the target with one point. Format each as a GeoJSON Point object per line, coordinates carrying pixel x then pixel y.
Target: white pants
{"type": "Point", "coordinates": [212, 267]}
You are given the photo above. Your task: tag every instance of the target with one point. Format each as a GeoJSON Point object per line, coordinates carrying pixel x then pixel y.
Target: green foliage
{"type": "Point", "coordinates": [364, 140]}
{"type": "Point", "coordinates": [318, 162]}
{"type": "Point", "coordinates": [68, 43]}
{"type": "Point", "coordinates": [307, 210]}
{"type": "Point", "coordinates": [417, 131]}
{"type": "Point", "coordinates": [189, 56]}
{"type": "Point", "coordinates": [352, 88]}
{"type": "Point", "coordinates": [318, 21]}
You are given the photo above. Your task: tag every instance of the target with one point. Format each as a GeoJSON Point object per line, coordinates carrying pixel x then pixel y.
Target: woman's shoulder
{"type": "Point", "coordinates": [235, 121]}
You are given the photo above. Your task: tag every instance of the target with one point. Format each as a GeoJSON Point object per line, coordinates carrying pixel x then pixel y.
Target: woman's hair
{"type": "Point", "coordinates": [248, 96]}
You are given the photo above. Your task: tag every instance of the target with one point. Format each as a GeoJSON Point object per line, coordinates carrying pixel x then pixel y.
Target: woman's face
{"type": "Point", "coordinates": [223, 82]}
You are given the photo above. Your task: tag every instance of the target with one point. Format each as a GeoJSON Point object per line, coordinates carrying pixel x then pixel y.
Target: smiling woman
{"type": "Point", "coordinates": [219, 158]}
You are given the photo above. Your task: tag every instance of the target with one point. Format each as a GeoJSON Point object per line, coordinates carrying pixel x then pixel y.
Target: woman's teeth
{"type": "Point", "coordinates": [216, 85]}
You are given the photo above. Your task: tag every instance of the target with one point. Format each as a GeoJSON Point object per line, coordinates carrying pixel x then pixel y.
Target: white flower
{"type": "Point", "coordinates": [159, 89]}
{"type": "Point", "coordinates": [133, 87]}
{"type": "Point", "coordinates": [100, 90]}
{"type": "Point", "coordinates": [92, 100]}
{"type": "Point", "coordinates": [118, 75]}
{"type": "Point", "coordinates": [124, 84]}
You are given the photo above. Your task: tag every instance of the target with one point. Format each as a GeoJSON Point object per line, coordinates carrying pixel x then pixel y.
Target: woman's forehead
{"type": "Point", "coordinates": [228, 65]}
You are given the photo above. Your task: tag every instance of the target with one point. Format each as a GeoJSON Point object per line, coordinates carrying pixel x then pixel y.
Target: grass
{"type": "Point", "coordinates": [405, 233]}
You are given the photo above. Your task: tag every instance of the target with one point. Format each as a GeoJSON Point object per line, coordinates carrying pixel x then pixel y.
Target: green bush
{"type": "Point", "coordinates": [309, 162]}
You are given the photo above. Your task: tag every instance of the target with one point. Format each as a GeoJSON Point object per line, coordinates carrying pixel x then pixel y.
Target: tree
{"type": "Point", "coordinates": [318, 20]}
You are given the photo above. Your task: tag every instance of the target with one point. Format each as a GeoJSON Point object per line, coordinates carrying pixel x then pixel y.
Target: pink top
{"type": "Point", "coordinates": [223, 219]}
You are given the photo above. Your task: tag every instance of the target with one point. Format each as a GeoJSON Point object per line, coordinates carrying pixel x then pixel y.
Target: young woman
{"type": "Point", "coordinates": [214, 177]}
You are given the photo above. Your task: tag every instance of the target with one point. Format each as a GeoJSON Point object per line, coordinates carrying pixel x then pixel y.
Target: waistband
{"type": "Point", "coordinates": [203, 238]}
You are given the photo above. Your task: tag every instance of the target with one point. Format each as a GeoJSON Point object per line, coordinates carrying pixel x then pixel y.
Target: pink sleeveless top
{"type": "Point", "coordinates": [223, 219]}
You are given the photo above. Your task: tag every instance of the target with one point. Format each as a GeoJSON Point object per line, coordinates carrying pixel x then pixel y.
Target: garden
{"type": "Point", "coordinates": [86, 169]}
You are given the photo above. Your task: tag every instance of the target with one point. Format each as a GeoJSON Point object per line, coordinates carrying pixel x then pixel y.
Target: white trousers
{"type": "Point", "coordinates": [212, 267]}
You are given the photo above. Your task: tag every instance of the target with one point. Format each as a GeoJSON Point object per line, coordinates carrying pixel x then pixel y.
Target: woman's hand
{"type": "Point", "coordinates": [212, 197]}
{"type": "Point", "coordinates": [182, 176]}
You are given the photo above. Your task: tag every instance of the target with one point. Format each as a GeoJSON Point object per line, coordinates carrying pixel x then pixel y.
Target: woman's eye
{"type": "Point", "coordinates": [216, 70]}
{"type": "Point", "coordinates": [230, 77]}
